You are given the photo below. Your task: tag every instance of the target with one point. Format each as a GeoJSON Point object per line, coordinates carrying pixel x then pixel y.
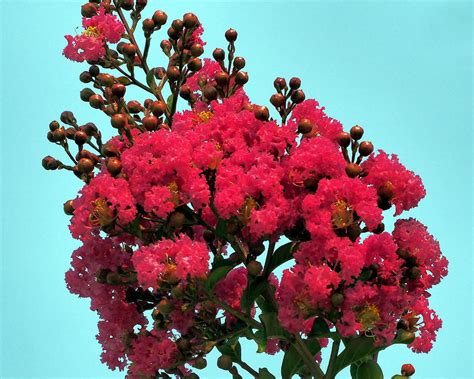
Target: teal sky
{"type": "Point", "coordinates": [401, 69]}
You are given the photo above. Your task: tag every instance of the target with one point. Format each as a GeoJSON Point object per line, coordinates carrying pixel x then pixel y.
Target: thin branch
{"type": "Point", "coordinates": [332, 360]}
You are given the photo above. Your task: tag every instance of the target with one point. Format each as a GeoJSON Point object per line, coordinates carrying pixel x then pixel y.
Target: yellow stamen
{"type": "Point", "coordinates": [102, 215]}
{"type": "Point", "coordinates": [369, 316]}
{"type": "Point", "coordinates": [91, 31]}
{"type": "Point", "coordinates": [342, 215]}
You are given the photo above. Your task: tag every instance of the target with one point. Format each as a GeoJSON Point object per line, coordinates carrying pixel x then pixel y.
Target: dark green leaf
{"type": "Point", "coordinates": [233, 350]}
{"type": "Point", "coordinates": [369, 370]}
{"type": "Point", "coordinates": [272, 327]}
{"type": "Point", "coordinates": [355, 350]}
{"type": "Point", "coordinates": [291, 364]}
{"type": "Point", "coordinates": [261, 340]}
{"type": "Point", "coordinates": [124, 80]}
{"type": "Point", "coordinates": [263, 373]}
{"type": "Point", "coordinates": [254, 290]}
{"type": "Point", "coordinates": [150, 79]}
{"type": "Point", "coordinates": [319, 329]}
{"type": "Point", "coordinates": [283, 254]}
{"type": "Point", "coordinates": [221, 229]}
{"type": "Point", "coordinates": [216, 275]}
{"type": "Point", "coordinates": [169, 101]}
{"type": "Point", "coordinates": [354, 368]}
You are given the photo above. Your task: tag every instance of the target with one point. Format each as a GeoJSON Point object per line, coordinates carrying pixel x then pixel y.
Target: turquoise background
{"type": "Point", "coordinates": [400, 69]}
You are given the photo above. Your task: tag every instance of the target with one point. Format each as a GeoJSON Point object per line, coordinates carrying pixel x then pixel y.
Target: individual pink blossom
{"type": "Point", "coordinates": [169, 260]}
{"type": "Point", "coordinates": [412, 237]}
{"type": "Point", "coordinates": [152, 352]}
{"type": "Point", "coordinates": [323, 125]}
{"type": "Point", "coordinates": [99, 30]}
{"type": "Point", "coordinates": [103, 203]}
{"type": "Point", "coordinates": [386, 172]}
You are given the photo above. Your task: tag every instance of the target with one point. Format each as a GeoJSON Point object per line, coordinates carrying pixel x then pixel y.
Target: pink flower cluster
{"type": "Point", "coordinates": [205, 195]}
{"type": "Point", "coordinates": [91, 45]}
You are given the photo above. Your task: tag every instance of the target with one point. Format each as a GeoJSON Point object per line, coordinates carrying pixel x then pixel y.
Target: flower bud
{"type": "Point", "coordinates": [210, 93]}
{"type": "Point", "coordinates": [199, 363]}
{"type": "Point", "coordinates": [148, 25]}
{"type": "Point", "coordinates": [166, 46]}
{"type": "Point", "coordinates": [160, 18]}
{"type": "Point", "coordinates": [127, 4]}
{"type": "Point", "coordinates": [231, 35]}
{"type": "Point", "coordinates": [49, 163]}
{"type": "Point", "coordinates": [109, 150]}
{"type": "Point", "coordinates": [344, 139]}
{"type": "Point", "coordinates": [239, 63]}
{"type": "Point", "coordinates": [158, 108]}
{"type": "Point", "coordinates": [185, 92]}
{"type": "Point", "coordinates": [405, 337]}
{"type": "Point", "coordinates": [357, 132]}
{"type": "Point", "coordinates": [165, 306]}
{"type": "Point", "coordinates": [383, 203]}
{"type": "Point", "coordinates": [68, 118]}
{"type": "Point", "coordinates": [261, 113]}
{"type": "Point", "coordinates": [385, 191]}
{"type": "Point", "coordinates": [408, 369]}
{"type": "Point", "coordinates": [279, 84]}
{"type": "Point", "coordinates": [85, 77]}
{"type": "Point", "coordinates": [177, 220]}
{"type": "Point", "coordinates": [197, 50]}
{"type": "Point", "coordinates": [118, 90]}
{"type": "Point", "coordinates": [337, 299]}
{"type": "Point", "coordinates": [173, 33]}
{"type": "Point", "coordinates": [94, 70]}
{"type": "Point", "coordinates": [195, 64]}
{"type": "Point", "coordinates": [150, 122]}
{"type": "Point", "coordinates": [254, 268]}
{"type": "Point", "coordinates": [403, 324]}
{"type": "Point", "coordinates": [114, 165]}
{"type": "Point", "coordinates": [134, 106]}
{"type": "Point", "coordinates": [53, 125]}
{"type": "Point", "coordinates": [96, 101]}
{"type": "Point", "coordinates": [68, 208]}
{"type": "Point", "coordinates": [241, 78]}
{"type": "Point", "coordinates": [59, 135]}
{"type": "Point", "coordinates": [70, 133]}
{"type": "Point", "coordinates": [118, 121]}
{"type": "Point", "coordinates": [89, 10]}
{"type": "Point", "coordinates": [222, 78]}
{"type": "Point", "coordinates": [190, 20]}
{"type": "Point", "coordinates": [141, 4]}
{"type": "Point", "coordinates": [224, 362]}
{"type": "Point", "coordinates": [129, 49]}
{"type": "Point", "coordinates": [277, 100]}
{"type": "Point", "coordinates": [305, 126]}
{"type": "Point", "coordinates": [86, 94]}
{"type": "Point", "coordinates": [366, 148]}
{"type": "Point", "coordinates": [173, 73]}
{"type": "Point", "coordinates": [90, 129]}
{"type": "Point", "coordinates": [106, 80]}
{"type": "Point", "coordinates": [295, 83]}
{"type": "Point", "coordinates": [80, 137]}
{"type": "Point", "coordinates": [85, 166]}
{"type": "Point", "coordinates": [218, 54]}
{"type": "Point", "coordinates": [298, 96]}
{"type": "Point", "coordinates": [353, 170]}
{"type": "Point", "coordinates": [177, 25]}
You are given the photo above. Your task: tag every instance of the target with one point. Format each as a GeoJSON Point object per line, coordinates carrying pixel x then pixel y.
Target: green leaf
{"type": "Point", "coordinates": [216, 275]}
{"type": "Point", "coordinates": [150, 79]}
{"type": "Point", "coordinates": [293, 362]}
{"type": "Point", "coordinates": [253, 290]}
{"type": "Point", "coordinates": [233, 350]}
{"type": "Point", "coordinates": [221, 229]}
{"type": "Point", "coordinates": [283, 254]}
{"type": "Point", "coordinates": [369, 370]}
{"type": "Point", "coordinates": [169, 101]}
{"type": "Point", "coordinates": [124, 80]}
{"type": "Point", "coordinates": [272, 327]}
{"type": "Point", "coordinates": [355, 350]}
{"type": "Point", "coordinates": [261, 340]}
{"type": "Point", "coordinates": [319, 329]}
{"type": "Point", "coordinates": [263, 373]}
{"type": "Point", "coordinates": [354, 368]}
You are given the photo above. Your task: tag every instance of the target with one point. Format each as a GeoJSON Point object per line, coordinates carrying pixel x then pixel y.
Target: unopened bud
{"type": "Point", "coordinates": [261, 113]}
